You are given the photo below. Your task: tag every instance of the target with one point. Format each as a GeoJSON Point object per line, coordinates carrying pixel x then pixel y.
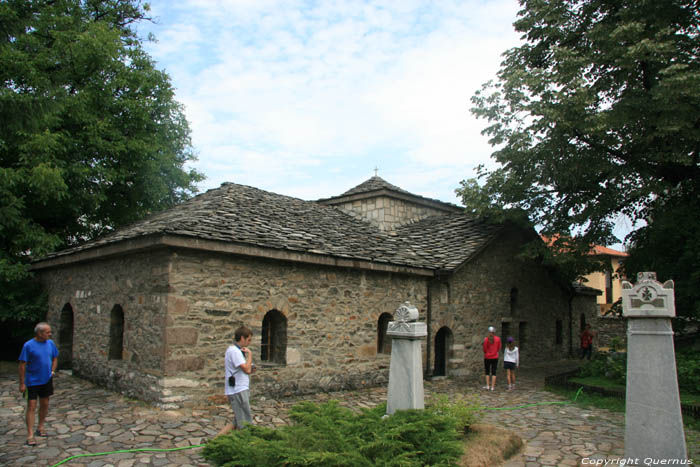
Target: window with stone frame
{"type": "Point", "coordinates": [383, 342]}
{"type": "Point", "coordinates": [116, 333]}
{"type": "Point", "coordinates": [445, 293]}
{"type": "Point", "coordinates": [513, 300]}
{"type": "Point", "coordinates": [273, 345]}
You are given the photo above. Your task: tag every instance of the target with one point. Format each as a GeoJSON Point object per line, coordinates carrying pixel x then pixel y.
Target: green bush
{"type": "Point", "coordinates": [330, 435]}
{"type": "Point", "coordinates": [464, 409]}
{"type": "Point", "coordinates": [609, 365]}
{"type": "Point", "coordinates": [613, 366]}
{"type": "Point", "coordinates": [688, 366]}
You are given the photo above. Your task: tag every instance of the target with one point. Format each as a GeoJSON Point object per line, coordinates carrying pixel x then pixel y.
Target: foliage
{"type": "Point", "coordinates": [670, 246]}
{"type": "Point", "coordinates": [613, 366]}
{"type": "Point", "coordinates": [617, 344]}
{"type": "Point", "coordinates": [331, 435]}
{"type": "Point", "coordinates": [464, 409]}
{"type": "Point", "coordinates": [91, 137]}
{"type": "Point", "coordinates": [688, 367]}
{"type": "Point", "coordinates": [596, 115]}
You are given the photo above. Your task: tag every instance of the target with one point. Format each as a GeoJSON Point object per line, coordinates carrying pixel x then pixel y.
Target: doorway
{"type": "Point", "coordinates": [443, 351]}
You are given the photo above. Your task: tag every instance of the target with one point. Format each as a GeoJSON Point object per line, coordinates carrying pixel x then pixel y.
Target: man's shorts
{"type": "Point", "coordinates": [41, 391]}
{"type": "Point", "coordinates": [490, 366]}
{"type": "Point", "coordinates": [240, 403]}
{"type": "Point", "coordinates": [509, 365]}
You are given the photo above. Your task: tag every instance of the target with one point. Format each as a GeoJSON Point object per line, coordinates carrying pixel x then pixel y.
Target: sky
{"type": "Point", "coordinates": [308, 98]}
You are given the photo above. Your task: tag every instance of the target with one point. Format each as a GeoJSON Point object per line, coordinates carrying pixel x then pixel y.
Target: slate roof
{"type": "Point", "coordinates": [251, 216]}
{"type": "Point", "coordinates": [373, 184]}
{"type": "Point", "coordinates": [448, 240]}
{"type": "Point", "coordinates": [377, 183]}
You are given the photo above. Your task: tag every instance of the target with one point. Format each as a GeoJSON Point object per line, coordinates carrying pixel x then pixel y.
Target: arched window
{"type": "Point", "coordinates": [116, 333]}
{"type": "Point", "coordinates": [65, 338]}
{"type": "Point", "coordinates": [273, 347]}
{"type": "Point", "coordinates": [383, 342]}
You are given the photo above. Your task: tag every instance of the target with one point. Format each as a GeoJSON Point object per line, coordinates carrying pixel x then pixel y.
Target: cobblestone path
{"type": "Point", "coordinates": [84, 418]}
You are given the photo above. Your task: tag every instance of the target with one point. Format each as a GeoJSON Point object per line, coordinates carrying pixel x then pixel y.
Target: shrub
{"type": "Point", "coordinates": [610, 365]}
{"type": "Point", "coordinates": [330, 435]}
{"type": "Point", "coordinates": [465, 410]}
{"type": "Point", "coordinates": [614, 367]}
{"type": "Point", "coordinates": [688, 366]}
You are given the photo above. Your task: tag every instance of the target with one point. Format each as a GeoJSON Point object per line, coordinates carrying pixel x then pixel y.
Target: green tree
{"type": "Point", "coordinates": [670, 246]}
{"type": "Point", "coordinates": [91, 137]}
{"type": "Point", "coordinates": [596, 115]}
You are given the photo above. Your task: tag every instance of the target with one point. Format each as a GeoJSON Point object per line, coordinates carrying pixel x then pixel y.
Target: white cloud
{"type": "Point", "coordinates": [306, 98]}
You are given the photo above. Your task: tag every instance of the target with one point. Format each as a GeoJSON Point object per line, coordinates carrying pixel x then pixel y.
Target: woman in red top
{"type": "Point", "coordinates": [492, 345]}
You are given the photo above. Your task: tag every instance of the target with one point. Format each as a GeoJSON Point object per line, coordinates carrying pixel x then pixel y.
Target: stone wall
{"type": "Point", "coordinates": [480, 295]}
{"type": "Point", "coordinates": [609, 328]}
{"type": "Point", "coordinates": [136, 283]}
{"type": "Point", "coordinates": [181, 308]}
{"type": "Point", "coordinates": [387, 213]}
{"type": "Point", "coordinates": [331, 315]}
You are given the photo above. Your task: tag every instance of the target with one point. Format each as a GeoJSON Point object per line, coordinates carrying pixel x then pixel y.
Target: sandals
{"type": "Point", "coordinates": [31, 442]}
{"type": "Point", "coordinates": [39, 433]}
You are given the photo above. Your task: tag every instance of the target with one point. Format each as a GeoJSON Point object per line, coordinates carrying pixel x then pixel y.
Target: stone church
{"type": "Point", "coordinates": [150, 309]}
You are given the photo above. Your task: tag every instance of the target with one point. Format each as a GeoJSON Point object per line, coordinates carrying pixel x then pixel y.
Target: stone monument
{"type": "Point", "coordinates": [406, 368]}
{"type": "Point", "coordinates": [653, 423]}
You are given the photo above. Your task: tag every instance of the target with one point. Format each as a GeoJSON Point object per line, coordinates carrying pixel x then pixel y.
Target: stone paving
{"type": "Point", "coordinates": [84, 418]}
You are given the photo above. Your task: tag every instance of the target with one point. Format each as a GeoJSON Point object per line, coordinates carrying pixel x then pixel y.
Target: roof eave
{"type": "Point", "coordinates": [135, 245]}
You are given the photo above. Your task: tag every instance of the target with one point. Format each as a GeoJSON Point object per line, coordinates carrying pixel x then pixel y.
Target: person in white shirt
{"type": "Point", "coordinates": [511, 361]}
{"type": "Point", "coordinates": [238, 365]}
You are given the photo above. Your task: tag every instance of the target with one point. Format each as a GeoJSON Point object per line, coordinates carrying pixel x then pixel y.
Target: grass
{"type": "Point", "coordinates": [587, 399]}
{"type": "Point", "coordinates": [602, 382]}
{"type": "Point", "coordinates": [692, 424]}
{"type": "Point", "coordinates": [598, 381]}
{"type": "Point", "coordinates": [690, 398]}
{"type": "Point", "coordinates": [489, 445]}
{"type": "Point", "coordinates": [613, 404]}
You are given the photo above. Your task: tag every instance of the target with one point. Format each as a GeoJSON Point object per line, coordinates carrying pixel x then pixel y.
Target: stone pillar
{"type": "Point", "coordinates": [406, 368]}
{"type": "Point", "coordinates": [653, 422]}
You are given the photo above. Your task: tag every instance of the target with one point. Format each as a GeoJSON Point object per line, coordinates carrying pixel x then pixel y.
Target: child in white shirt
{"type": "Point", "coordinates": [511, 361]}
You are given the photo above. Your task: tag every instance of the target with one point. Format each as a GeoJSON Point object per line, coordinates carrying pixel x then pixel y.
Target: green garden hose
{"type": "Point", "coordinates": [95, 454]}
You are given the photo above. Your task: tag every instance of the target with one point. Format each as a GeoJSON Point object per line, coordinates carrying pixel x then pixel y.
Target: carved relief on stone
{"type": "Point", "coordinates": [648, 298]}
{"type": "Point", "coordinates": [405, 324]}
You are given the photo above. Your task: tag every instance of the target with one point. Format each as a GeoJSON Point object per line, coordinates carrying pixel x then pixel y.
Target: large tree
{"type": "Point", "coordinates": [91, 137]}
{"type": "Point", "coordinates": [595, 116]}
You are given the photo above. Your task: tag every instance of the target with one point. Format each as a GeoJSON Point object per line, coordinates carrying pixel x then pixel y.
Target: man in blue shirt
{"type": "Point", "coordinates": [37, 364]}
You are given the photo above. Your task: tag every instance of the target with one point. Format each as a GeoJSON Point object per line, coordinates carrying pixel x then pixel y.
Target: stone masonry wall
{"type": "Point", "coordinates": [609, 328]}
{"type": "Point", "coordinates": [139, 285]}
{"type": "Point", "coordinates": [387, 213]}
{"type": "Point", "coordinates": [479, 295]}
{"type": "Point", "coordinates": [331, 314]}
{"type": "Point", "coordinates": [181, 308]}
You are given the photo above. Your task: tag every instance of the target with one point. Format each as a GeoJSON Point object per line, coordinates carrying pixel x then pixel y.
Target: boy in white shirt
{"type": "Point", "coordinates": [239, 365]}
